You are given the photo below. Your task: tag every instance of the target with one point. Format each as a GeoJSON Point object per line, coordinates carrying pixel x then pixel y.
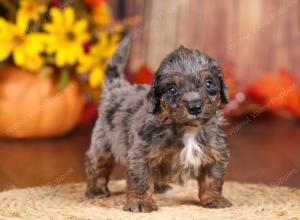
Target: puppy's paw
{"type": "Point", "coordinates": [140, 206]}
{"type": "Point", "coordinates": [215, 202]}
{"type": "Point", "coordinates": [161, 188]}
{"type": "Point", "coordinates": [93, 192]}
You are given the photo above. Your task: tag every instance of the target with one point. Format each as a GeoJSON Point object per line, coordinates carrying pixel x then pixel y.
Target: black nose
{"type": "Point", "coordinates": [194, 108]}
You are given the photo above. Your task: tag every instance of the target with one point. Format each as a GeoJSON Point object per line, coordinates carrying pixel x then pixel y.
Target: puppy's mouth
{"type": "Point", "coordinates": [196, 120]}
{"type": "Point", "coordinates": [195, 123]}
{"type": "Point", "coordinates": [201, 119]}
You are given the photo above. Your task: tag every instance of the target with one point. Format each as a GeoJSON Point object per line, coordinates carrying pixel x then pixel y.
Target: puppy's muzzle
{"type": "Point", "coordinates": [194, 107]}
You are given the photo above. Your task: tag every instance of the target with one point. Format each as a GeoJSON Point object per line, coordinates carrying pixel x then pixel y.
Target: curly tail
{"type": "Point", "coordinates": [116, 66]}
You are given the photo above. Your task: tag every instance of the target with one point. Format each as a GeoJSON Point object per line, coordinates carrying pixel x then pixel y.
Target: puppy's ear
{"type": "Point", "coordinates": [223, 88]}
{"type": "Point", "coordinates": [153, 97]}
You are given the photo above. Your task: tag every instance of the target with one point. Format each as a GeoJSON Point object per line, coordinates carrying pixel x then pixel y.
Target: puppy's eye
{"type": "Point", "coordinates": [172, 90]}
{"type": "Point", "coordinates": [208, 84]}
{"type": "Point", "coordinates": [210, 87]}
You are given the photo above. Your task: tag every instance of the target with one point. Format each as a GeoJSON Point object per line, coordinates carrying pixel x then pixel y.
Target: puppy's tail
{"type": "Point", "coordinates": [116, 66]}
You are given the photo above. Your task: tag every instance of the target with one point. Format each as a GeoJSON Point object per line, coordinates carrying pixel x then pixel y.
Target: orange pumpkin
{"type": "Point", "coordinates": [31, 106]}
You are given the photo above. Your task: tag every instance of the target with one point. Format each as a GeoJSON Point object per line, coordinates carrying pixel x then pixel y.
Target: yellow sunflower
{"type": "Point", "coordinates": [96, 60]}
{"type": "Point", "coordinates": [25, 48]}
{"type": "Point", "coordinates": [66, 36]}
{"type": "Point", "coordinates": [31, 10]}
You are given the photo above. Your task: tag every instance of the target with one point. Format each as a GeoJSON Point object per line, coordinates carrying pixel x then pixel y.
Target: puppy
{"type": "Point", "coordinates": [169, 131]}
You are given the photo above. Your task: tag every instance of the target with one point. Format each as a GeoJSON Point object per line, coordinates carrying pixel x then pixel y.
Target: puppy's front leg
{"type": "Point", "coordinates": [140, 186]}
{"type": "Point", "coordinates": [210, 187]}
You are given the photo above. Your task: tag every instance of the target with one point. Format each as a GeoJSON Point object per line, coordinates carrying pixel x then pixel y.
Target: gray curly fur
{"type": "Point", "coordinates": [150, 130]}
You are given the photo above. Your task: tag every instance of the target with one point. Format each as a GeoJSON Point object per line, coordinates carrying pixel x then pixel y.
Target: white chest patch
{"type": "Point", "coordinates": [192, 153]}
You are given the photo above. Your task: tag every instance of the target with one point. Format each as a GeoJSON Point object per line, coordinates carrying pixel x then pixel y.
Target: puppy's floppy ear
{"type": "Point", "coordinates": [223, 88]}
{"type": "Point", "coordinates": [153, 97]}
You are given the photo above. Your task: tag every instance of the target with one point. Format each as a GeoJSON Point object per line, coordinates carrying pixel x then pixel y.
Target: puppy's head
{"type": "Point", "coordinates": [188, 87]}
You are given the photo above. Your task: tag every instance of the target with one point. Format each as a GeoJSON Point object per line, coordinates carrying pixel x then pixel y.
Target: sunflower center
{"type": "Point", "coordinates": [18, 40]}
{"type": "Point", "coordinates": [31, 7]}
{"type": "Point", "coordinates": [70, 35]}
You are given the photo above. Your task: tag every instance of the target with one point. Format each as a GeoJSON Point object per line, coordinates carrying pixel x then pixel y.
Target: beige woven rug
{"type": "Point", "coordinates": [68, 202]}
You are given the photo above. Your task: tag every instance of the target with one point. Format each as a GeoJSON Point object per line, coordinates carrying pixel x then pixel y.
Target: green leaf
{"type": "Point", "coordinates": [45, 71]}
{"type": "Point", "coordinates": [64, 79]}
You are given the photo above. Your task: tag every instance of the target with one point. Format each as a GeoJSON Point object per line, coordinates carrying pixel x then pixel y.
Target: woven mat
{"type": "Point", "coordinates": [68, 202]}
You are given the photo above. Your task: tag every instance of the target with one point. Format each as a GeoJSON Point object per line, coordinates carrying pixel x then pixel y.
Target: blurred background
{"type": "Point", "coordinates": [53, 55]}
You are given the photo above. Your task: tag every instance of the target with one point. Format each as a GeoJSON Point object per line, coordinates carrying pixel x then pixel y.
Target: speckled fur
{"type": "Point", "coordinates": [149, 130]}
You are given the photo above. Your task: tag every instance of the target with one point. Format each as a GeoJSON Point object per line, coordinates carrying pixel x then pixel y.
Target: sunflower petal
{"type": "Point", "coordinates": [19, 56]}
{"type": "Point", "coordinates": [96, 77]}
{"type": "Point", "coordinates": [69, 16]}
{"type": "Point", "coordinates": [4, 53]}
{"type": "Point", "coordinates": [80, 25]}
{"type": "Point", "coordinates": [56, 16]}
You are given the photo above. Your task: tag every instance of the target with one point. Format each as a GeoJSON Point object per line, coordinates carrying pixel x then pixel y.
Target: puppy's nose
{"type": "Point", "coordinates": [195, 107]}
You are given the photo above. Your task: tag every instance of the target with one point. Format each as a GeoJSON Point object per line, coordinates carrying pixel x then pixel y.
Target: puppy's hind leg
{"type": "Point", "coordinates": [99, 165]}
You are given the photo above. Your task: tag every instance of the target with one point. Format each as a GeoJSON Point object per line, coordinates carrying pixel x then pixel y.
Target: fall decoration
{"type": "Point", "coordinates": [279, 92]}
{"type": "Point", "coordinates": [31, 107]}
{"type": "Point", "coordinates": [276, 93]}
{"type": "Point", "coordinates": [143, 75]}
{"type": "Point", "coordinates": [52, 53]}
{"type": "Point", "coordinates": [58, 34]}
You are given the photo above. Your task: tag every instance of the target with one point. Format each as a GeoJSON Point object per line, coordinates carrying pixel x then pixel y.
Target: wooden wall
{"type": "Point", "coordinates": [256, 35]}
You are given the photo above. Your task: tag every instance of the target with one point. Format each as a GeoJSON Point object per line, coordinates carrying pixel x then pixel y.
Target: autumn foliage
{"type": "Point", "coordinates": [278, 91]}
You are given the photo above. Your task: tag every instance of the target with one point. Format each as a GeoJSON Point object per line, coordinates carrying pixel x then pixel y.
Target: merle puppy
{"type": "Point", "coordinates": [169, 131]}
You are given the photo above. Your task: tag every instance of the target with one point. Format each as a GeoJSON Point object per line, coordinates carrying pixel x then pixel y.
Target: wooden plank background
{"type": "Point", "coordinates": [256, 35]}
